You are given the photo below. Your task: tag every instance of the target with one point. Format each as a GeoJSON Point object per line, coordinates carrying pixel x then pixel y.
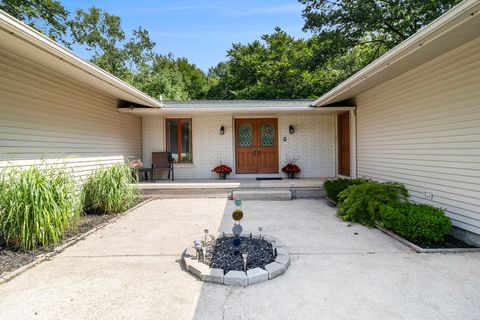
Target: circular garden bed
{"type": "Point", "coordinates": [221, 260]}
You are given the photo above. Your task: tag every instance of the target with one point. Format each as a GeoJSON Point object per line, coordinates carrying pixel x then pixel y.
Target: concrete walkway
{"type": "Point", "coordinates": [131, 270]}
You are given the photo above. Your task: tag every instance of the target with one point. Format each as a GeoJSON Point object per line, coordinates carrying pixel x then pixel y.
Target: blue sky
{"type": "Point", "coordinates": [204, 30]}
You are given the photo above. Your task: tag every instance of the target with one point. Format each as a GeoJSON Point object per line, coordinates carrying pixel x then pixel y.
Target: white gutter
{"type": "Point", "coordinates": [26, 33]}
{"type": "Point", "coordinates": [438, 27]}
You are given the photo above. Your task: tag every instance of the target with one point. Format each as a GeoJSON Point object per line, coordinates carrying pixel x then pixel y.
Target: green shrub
{"type": "Point", "coordinates": [37, 205]}
{"type": "Point", "coordinates": [109, 190]}
{"type": "Point", "coordinates": [334, 187]}
{"type": "Point", "coordinates": [419, 223]}
{"type": "Point", "coordinates": [361, 203]}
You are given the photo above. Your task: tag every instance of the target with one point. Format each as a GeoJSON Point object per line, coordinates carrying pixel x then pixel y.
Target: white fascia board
{"type": "Point", "coordinates": [382, 68]}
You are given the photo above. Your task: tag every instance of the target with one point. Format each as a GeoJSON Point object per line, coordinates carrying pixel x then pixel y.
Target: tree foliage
{"type": "Point", "coordinates": [344, 24]}
{"type": "Point", "coordinates": [173, 79]}
{"type": "Point", "coordinates": [280, 67]}
{"type": "Point", "coordinates": [134, 60]}
{"type": "Point", "coordinates": [347, 35]}
{"type": "Point", "coordinates": [47, 16]}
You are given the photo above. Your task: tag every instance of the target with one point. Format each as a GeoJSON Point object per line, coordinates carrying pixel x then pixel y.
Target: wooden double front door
{"type": "Point", "coordinates": [256, 145]}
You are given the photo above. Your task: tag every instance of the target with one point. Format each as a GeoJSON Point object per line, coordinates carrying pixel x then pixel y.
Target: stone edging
{"type": "Point", "coordinates": [419, 249]}
{"type": "Point", "coordinates": [251, 276]}
{"type": "Point", "coordinates": [42, 257]}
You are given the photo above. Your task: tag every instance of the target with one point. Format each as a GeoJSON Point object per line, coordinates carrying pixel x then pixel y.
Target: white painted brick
{"type": "Point", "coordinates": [312, 144]}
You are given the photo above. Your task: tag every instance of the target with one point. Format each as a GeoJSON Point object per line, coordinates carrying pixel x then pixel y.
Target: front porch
{"type": "Point", "coordinates": [254, 138]}
{"type": "Point", "coordinates": [215, 188]}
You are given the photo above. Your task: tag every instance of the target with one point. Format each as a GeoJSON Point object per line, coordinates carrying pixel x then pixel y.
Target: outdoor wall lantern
{"type": "Point", "coordinates": [222, 130]}
{"type": "Point", "coordinates": [291, 129]}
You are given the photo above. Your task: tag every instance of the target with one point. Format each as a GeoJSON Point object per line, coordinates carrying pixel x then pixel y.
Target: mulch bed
{"type": "Point", "coordinates": [448, 242]}
{"type": "Point", "coordinates": [13, 258]}
{"type": "Point", "coordinates": [222, 254]}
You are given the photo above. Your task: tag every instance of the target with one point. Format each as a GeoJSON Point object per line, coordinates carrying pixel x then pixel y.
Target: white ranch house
{"type": "Point", "coordinates": [411, 116]}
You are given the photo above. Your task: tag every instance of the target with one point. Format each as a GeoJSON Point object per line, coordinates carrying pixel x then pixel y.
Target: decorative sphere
{"type": "Point", "coordinates": [237, 215]}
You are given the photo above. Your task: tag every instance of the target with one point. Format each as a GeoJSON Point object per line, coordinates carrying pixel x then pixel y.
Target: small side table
{"type": "Point", "coordinates": [145, 172]}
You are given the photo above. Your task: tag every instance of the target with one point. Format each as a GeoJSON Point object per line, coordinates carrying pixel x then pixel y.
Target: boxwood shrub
{"type": "Point", "coordinates": [361, 203]}
{"type": "Point", "coordinates": [419, 223]}
{"type": "Point", "coordinates": [109, 190]}
{"type": "Point", "coordinates": [334, 187]}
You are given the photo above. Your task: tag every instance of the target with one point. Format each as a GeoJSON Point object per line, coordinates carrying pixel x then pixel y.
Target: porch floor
{"type": "Point", "coordinates": [181, 188]}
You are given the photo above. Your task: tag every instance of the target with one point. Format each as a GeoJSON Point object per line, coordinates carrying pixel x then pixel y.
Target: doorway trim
{"type": "Point", "coordinates": [344, 144]}
{"type": "Point", "coordinates": [277, 141]}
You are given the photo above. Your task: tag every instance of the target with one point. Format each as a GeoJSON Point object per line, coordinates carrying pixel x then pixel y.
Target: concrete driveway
{"type": "Point", "coordinates": [131, 270]}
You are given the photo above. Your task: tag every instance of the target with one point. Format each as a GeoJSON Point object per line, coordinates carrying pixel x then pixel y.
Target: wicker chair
{"type": "Point", "coordinates": [162, 161]}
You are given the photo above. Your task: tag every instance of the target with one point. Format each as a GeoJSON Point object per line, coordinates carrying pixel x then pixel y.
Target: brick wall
{"type": "Point", "coordinates": [152, 137]}
{"type": "Point", "coordinates": [312, 144]}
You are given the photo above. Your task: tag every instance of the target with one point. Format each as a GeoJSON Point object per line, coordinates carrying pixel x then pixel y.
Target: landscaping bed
{"type": "Point", "coordinates": [222, 254]}
{"type": "Point", "coordinates": [14, 258]}
{"type": "Point", "coordinates": [449, 244]}
{"type": "Point", "coordinates": [386, 205]}
{"type": "Point", "coordinates": [233, 260]}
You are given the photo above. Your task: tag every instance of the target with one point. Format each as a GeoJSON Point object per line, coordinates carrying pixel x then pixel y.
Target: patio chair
{"type": "Point", "coordinates": [162, 161]}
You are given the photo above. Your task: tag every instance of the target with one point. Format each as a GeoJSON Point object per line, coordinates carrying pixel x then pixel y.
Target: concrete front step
{"type": "Point", "coordinates": [186, 193]}
{"type": "Point", "coordinates": [265, 195]}
{"type": "Point", "coordinates": [295, 193]}
{"type": "Point", "coordinates": [211, 188]}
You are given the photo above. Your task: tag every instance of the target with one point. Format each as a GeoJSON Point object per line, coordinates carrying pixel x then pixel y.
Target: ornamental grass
{"type": "Point", "coordinates": [109, 190]}
{"type": "Point", "coordinates": [37, 205]}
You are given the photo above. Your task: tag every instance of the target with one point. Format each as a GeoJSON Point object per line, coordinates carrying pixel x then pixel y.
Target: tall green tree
{"type": "Point", "coordinates": [161, 79]}
{"type": "Point", "coordinates": [172, 78]}
{"type": "Point", "coordinates": [134, 60]}
{"type": "Point", "coordinates": [101, 33]}
{"type": "Point", "coordinates": [277, 67]}
{"type": "Point", "coordinates": [47, 16]}
{"type": "Point", "coordinates": [344, 24]}
{"type": "Point", "coordinates": [196, 81]}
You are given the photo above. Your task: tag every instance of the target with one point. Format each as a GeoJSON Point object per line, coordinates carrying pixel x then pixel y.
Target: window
{"type": "Point", "coordinates": [179, 139]}
{"type": "Point", "coordinates": [245, 135]}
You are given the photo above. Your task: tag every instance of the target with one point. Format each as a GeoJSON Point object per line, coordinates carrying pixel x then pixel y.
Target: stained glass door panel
{"type": "Point", "coordinates": [245, 146]}
{"type": "Point", "coordinates": [267, 154]}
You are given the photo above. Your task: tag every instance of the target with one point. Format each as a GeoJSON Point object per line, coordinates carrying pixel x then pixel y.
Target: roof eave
{"type": "Point", "coordinates": [26, 33]}
{"type": "Point", "coordinates": [270, 110]}
{"type": "Point", "coordinates": [457, 16]}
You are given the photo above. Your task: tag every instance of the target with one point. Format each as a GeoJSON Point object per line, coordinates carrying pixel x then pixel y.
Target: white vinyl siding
{"type": "Point", "coordinates": [47, 116]}
{"type": "Point", "coordinates": [423, 129]}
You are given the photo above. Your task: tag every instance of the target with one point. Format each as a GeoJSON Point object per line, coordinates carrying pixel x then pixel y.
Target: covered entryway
{"type": "Point", "coordinates": [254, 138]}
{"type": "Point", "coordinates": [256, 145]}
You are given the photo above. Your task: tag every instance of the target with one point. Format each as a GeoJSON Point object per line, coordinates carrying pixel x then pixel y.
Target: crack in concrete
{"type": "Point", "coordinates": [179, 255]}
{"type": "Point", "coordinates": [347, 253]}
{"type": "Point", "coordinates": [123, 255]}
